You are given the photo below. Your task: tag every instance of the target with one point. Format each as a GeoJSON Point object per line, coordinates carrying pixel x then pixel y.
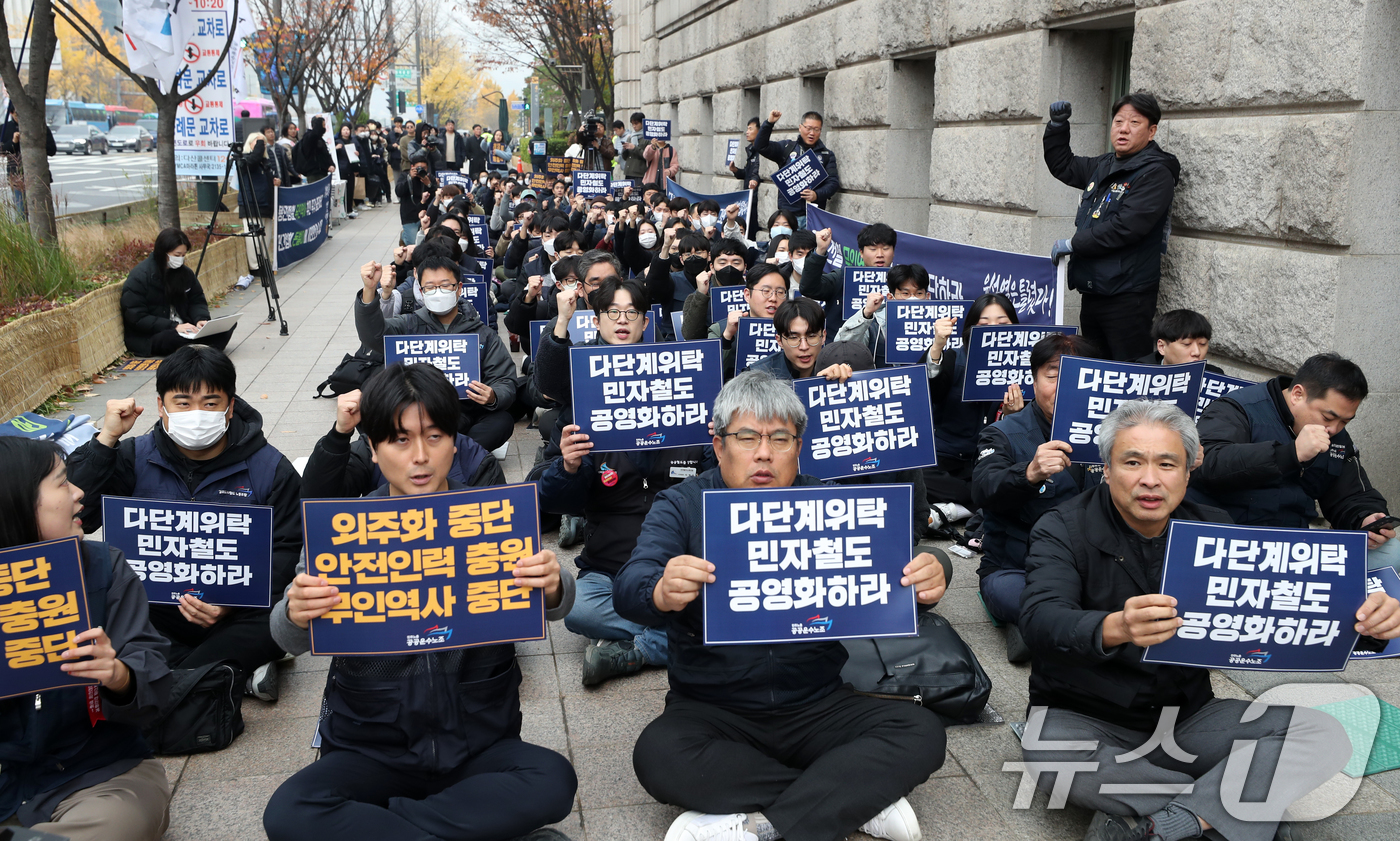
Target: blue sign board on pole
{"type": "Point", "coordinates": [220, 554]}
{"type": "Point", "coordinates": [43, 602]}
{"type": "Point", "coordinates": [425, 573]}
{"type": "Point", "coordinates": [1264, 599]}
{"type": "Point", "coordinates": [457, 356]}
{"type": "Point", "coordinates": [876, 422]}
{"type": "Point", "coordinates": [1089, 389]}
{"type": "Point", "coordinates": [808, 563]}
{"type": "Point", "coordinates": [909, 327]}
{"type": "Point", "coordinates": [999, 355]}
{"type": "Point", "coordinates": [643, 397]}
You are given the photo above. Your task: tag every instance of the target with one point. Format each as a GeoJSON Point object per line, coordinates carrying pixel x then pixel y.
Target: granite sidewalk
{"type": "Point", "coordinates": [220, 796]}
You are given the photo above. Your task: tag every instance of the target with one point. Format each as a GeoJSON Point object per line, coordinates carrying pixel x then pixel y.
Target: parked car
{"type": "Point", "coordinates": [134, 138]}
{"type": "Point", "coordinates": [80, 137]}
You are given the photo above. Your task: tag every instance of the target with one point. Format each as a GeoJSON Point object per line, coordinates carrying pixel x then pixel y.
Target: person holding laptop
{"type": "Point", "coordinates": [163, 304]}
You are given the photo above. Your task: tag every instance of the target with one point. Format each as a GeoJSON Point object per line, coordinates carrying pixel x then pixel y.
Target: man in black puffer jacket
{"type": "Point", "coordinates": [1123, 222]}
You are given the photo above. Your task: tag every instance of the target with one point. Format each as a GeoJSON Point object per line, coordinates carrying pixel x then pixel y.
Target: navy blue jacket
{"type": "Point", "coordinates": [746, 678]}
{"type": "Point", "coordinates": [782, 152]}
{"type": "Point", "coordinates": [1010, 504]}
{"type": "Point", "coordinates": [957, 423]}
{"type": "Point", "coordinates": [49, 748]}
{"type": "Point", "coordinates": [340, 469]}
{"type": "Point", "coordinates": [1251, 465]}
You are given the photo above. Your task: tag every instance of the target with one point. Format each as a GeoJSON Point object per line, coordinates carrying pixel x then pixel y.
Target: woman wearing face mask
{"type": "Point", "coordinates": [635, 240]}
{"type": "Point", "coordinates": [162, 299]}
{"type": "Point", "coordinates": [347, 159]}
{"type": "Point", "coordinates": [69, 773]}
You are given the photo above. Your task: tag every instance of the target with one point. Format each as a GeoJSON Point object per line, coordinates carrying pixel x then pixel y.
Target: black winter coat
{"type": "Point", "coordinates": [1124, 214]}
{"type": "Point", "coordinates": [311, 157]}
{"type": "Point", "coordinates": [146, 307]}
{"type": "Point", "coordinates": [1079, 570]}
{"type": "Point", "coordinates": [410, 192]}
{"type": "Point", "coordinates": [783, 152]}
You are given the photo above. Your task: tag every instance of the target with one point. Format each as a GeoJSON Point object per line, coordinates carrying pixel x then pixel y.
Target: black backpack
{"type": "Point", "coordinates": [936, 670]}
{"type": "Point", "coordinates": [352, 372]}
{"type": "Point", "coordinates": [205, 711]}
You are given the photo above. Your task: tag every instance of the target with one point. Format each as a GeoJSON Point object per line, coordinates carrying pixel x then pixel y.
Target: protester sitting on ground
{"type": "Point", "coordinates": [589, 221]}
{"type": "Point", "coordinates": [614, 491]}
{"type": "Point", "coordinates": [671, 275]}
{"type": "Point", "coordinates": [1182, 336]}
{"type": "Point", "coordinates": [1276, 451]}
{"type": "Point", "coordinates": [727, 264]}
{"type": "Point", "coordinates": [156, 287]}
{"type": "Point", "coordinates": [765, 289]}
{"type": "Point", "coordinates": [556, 241]}
{"type": "Point", "coordinates": [341, 468]}
{"type": "Point", "coordinates": [1019, 474]}
{"type": "Point", "coordinates": [765, 740]}
{"type": "Point", "coordinates": [838, 361]}
{"type": "Point", "coordinates": [551, 370]}
{"type": "Point", "coordinates": [207, 447]}
{"type": "Point", "coordinates": [797, 325]}
{"type": "Point", "coordinates": [1149, 742]}
{"type": "Point", "coordinates": [904, 282]}
{"type": "Point", "coordinates": [636, 240]}
{"type": "Point", "coordinates": [401, 758]}
{"type": "Point", "coordinates": [809, 249]}
{"type": "Point", "coordinates": [485, 412]}
{"type": "Point", "coordinates": [959, 423]}
{"type": "Point", "coordinates": [76, 766]}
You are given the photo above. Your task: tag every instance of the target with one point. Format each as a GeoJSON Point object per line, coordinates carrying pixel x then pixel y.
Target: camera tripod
{"type": "Point", "coordinates": [248, 206]}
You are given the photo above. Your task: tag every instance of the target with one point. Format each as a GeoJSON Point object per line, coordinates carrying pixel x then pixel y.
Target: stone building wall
{"type": "Point", "coordinates": [1286, 224]}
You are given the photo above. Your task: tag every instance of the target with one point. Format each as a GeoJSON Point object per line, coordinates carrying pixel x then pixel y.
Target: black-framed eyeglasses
{"type": "Point", "coordinates": [778, 442]}
{"type": "Point", "coordinates": [615, 314]}
{"type": "Point", "coordinates": [796, 339]}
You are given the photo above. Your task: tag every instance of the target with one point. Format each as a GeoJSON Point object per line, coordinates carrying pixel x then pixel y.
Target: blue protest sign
{"type": "Point", "coordinates": [1214, 387]}
{"type": "Point", "coordinates": [909, 327]}
{"type": "Point", "coordinates": [488, 266]}
{"type": "Point", "coordinates": [424, 572]}
{"type": "Point", "coordinates": [754, 340]}
{"type": "Point", "coordinates": [655, 318]}
{"type": "Point", "coordinates": [801, 173]}
{"type": "Point", "coordinates": [956, 271]}
{"type": "Point", "coordinates": [726, 299]}
{"type": "Point", "coordinates": [537, 329]}
{"type": "Point", "coordinates": [1379, 580]}
{"type": "Point", "coordinates": [732, 149]}
{"type": "Point", "coordinates": [792, 564]}
{"type": "Point", "coordinates": [620, 184]}
{"type": "Point", "coordinates": [628, 397]}
{"type": "Point", "coordinates": [457, 356]}
{"type": "Point", "coordinates": [743, 198]}
{"type": "Point", "coordinates": [220, 554]}
{"type": "Point", "coordinates": [876, 422]}
{"type": "Point", "coordinates": [459, 179]}
{"type": "Point", "coordinates": [999, 355]}
{"type": "Point", "coordinates": [481, 234]}
{"type": "Point", "coordinates": [676, 319]}
{"type": "Point", "coordinates": [656, 129]}
{"type": "Point", "coordinates": [590, 183]}
{"type": "Point", "coordinates": [303, 214]}
{"type": "Point", "coordinates": [1089, 389]}
{"type": "Point", "coordinates": [860, 282]}
{"type": "Point", "coordinates": [582, 330]}
{"type": "Point", "coordinates": [1276, 600]}
{"type": "Point", "coordinates": [474, 290]}
{"type": "Point", "coordinates": [43, 606]}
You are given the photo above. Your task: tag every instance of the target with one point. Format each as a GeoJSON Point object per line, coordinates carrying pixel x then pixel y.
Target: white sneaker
{"type": "Point", "coordinates": [352, 215]}
{"type": "Point", "coordinates": [698, 826]}
{"type": "Point", "coordinates": [897, 823]}
{"type": "Point", "coordinates": [952, 511]}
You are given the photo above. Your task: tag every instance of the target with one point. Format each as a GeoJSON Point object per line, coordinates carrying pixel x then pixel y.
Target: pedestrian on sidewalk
{"type": "Point", "coordinates": [344, 150]}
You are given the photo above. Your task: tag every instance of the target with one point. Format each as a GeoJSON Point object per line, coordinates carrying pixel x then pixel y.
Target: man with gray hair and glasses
{"type": "Point", "coordinates": [1092, 603]}
{"type": "Point", "coordinates": [764, 741]}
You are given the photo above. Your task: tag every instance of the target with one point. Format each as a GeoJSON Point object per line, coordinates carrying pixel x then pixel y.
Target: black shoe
{"type": "Point", "coordinates": [604, 659]}
{"type": "Point", "coordinates": [262, 683]}
{"type": "Point", "coordinates": [1118, 828]}
{"type": "Point", "coordinates": [570, 530]}
{"type": "Point", "coordinates": [1016, 649]}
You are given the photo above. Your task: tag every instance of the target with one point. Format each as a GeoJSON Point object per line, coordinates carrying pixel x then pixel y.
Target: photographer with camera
{"type": "Point", "coordinates": [591, 144]}
{"type": "Point", "coordinates": [415, 189]}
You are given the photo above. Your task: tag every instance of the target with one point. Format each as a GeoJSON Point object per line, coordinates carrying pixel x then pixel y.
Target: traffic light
{"type": "Point", "coordinates": [391, 98]}
{"type": "Point", "coordinates": [403, 102]}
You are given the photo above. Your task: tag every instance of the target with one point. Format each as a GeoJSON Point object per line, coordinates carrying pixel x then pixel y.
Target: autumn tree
{"type": "Point", "coordinates": [27, 97]}
{"type": "Point", "coordinates": [291, 37]}
{"type": "Point", "coordinates": [544, 33]}
{"type": "Point", "coordinates": [166, 94]}
{"type": "Point", "coordinates": [455, 81]}
{"type": "Point", "coordinates": [85, 76]}
{"type": "Point", "coordinates": [344, 71]}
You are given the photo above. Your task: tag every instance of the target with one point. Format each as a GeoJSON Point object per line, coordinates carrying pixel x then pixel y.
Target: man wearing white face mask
{"type": "Point", "coordinates": [486, 418]}
{"type": "Point", "coordinates": [208, 446]}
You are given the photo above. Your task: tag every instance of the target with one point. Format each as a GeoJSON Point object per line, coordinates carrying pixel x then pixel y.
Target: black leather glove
{"type": "Point", "coordinates": [1060, 111]}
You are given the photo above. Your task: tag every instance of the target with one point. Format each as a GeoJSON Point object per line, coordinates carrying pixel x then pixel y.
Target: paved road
{"type": "Point", "coordinates": [88, 182]}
